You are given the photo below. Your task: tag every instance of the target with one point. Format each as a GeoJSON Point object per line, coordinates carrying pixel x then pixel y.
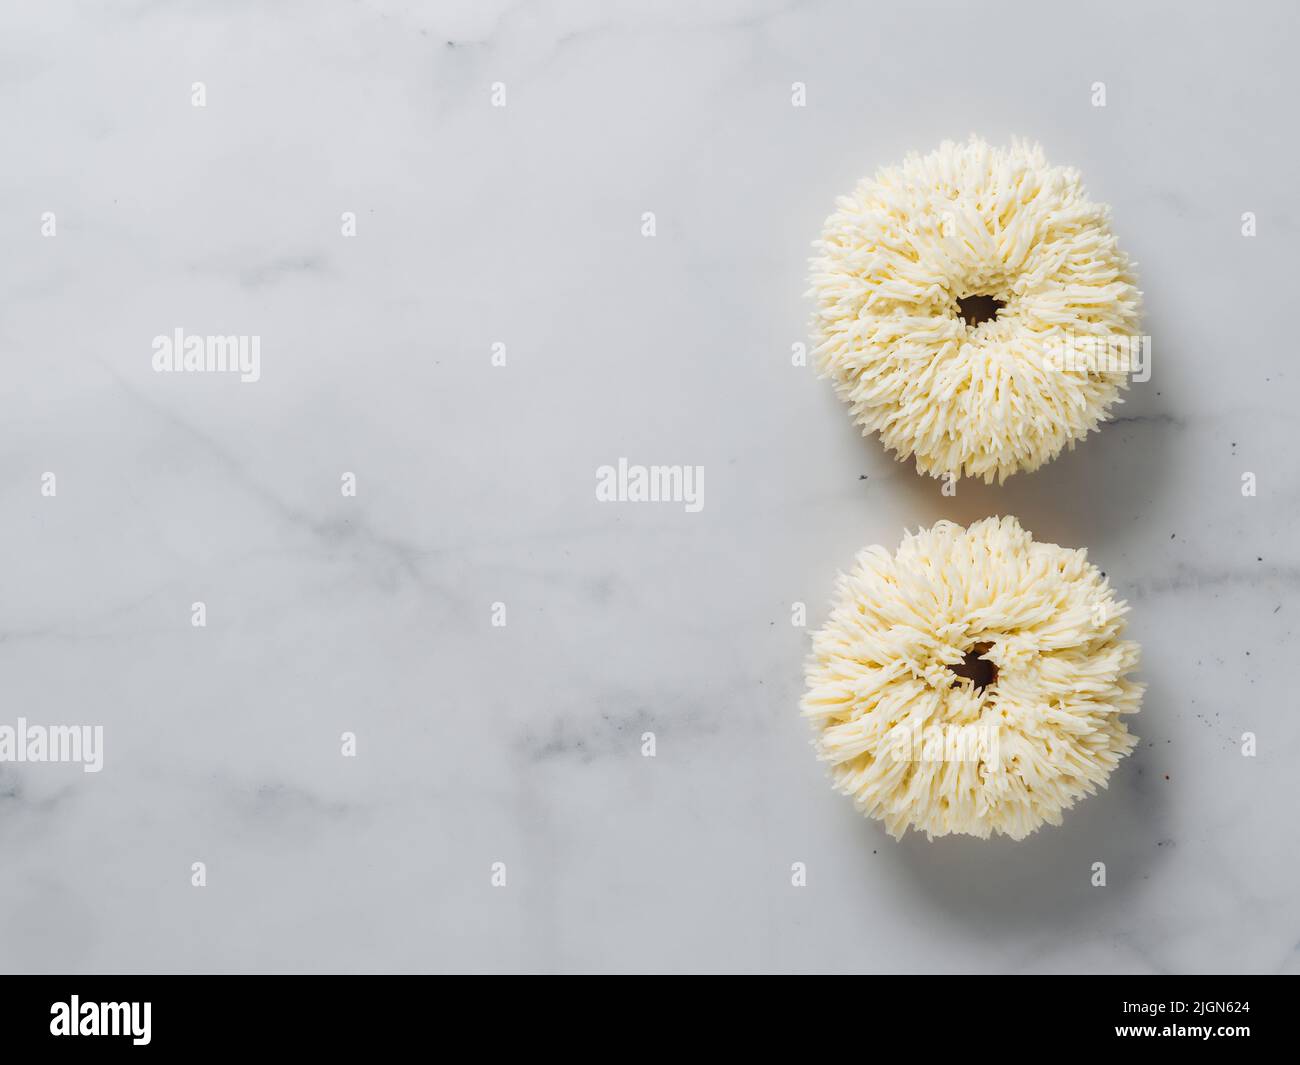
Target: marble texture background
{"type": "Point", "coordinates": [521, 225]}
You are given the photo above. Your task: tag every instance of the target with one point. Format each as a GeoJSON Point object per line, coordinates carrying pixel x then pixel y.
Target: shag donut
{"type": "Point", "coordinates": [944, 285]}
{"type": "Point", "coordinates": [975, 682]}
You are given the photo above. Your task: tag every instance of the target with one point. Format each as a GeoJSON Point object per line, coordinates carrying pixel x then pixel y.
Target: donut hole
{"type": "Point", "coordinates": [974, 667]}
{"type": "Point", "coordinates": [979, 308]}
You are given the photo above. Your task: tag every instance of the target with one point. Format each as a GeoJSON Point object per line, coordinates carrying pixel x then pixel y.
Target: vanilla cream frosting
{"type": "Point", "coordinates": [907, 732]}
{"type": "Point", "coordinates": [897, 256]}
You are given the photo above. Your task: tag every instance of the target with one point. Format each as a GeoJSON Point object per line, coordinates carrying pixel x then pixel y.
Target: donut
{"type": "Point", "coordinates": [974, 682]}
{"type": "Point", "coordinates": [944, 288]}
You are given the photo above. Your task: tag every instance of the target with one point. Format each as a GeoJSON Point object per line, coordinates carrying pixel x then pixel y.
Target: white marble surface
{"type": "Point", "coordinates": [521, 744]}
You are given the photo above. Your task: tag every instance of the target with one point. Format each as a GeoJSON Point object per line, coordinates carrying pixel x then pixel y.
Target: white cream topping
{"type": "Point", "coordinates": [897, 255]}
{"type": "Point", "coordinates": [1046, 731]}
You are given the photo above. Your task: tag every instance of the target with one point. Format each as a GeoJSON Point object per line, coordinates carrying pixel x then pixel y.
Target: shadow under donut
{"type": "Point", "coordinates": [1094, 496]}
{"type": "Point", "coordinates": [1045, 880]}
